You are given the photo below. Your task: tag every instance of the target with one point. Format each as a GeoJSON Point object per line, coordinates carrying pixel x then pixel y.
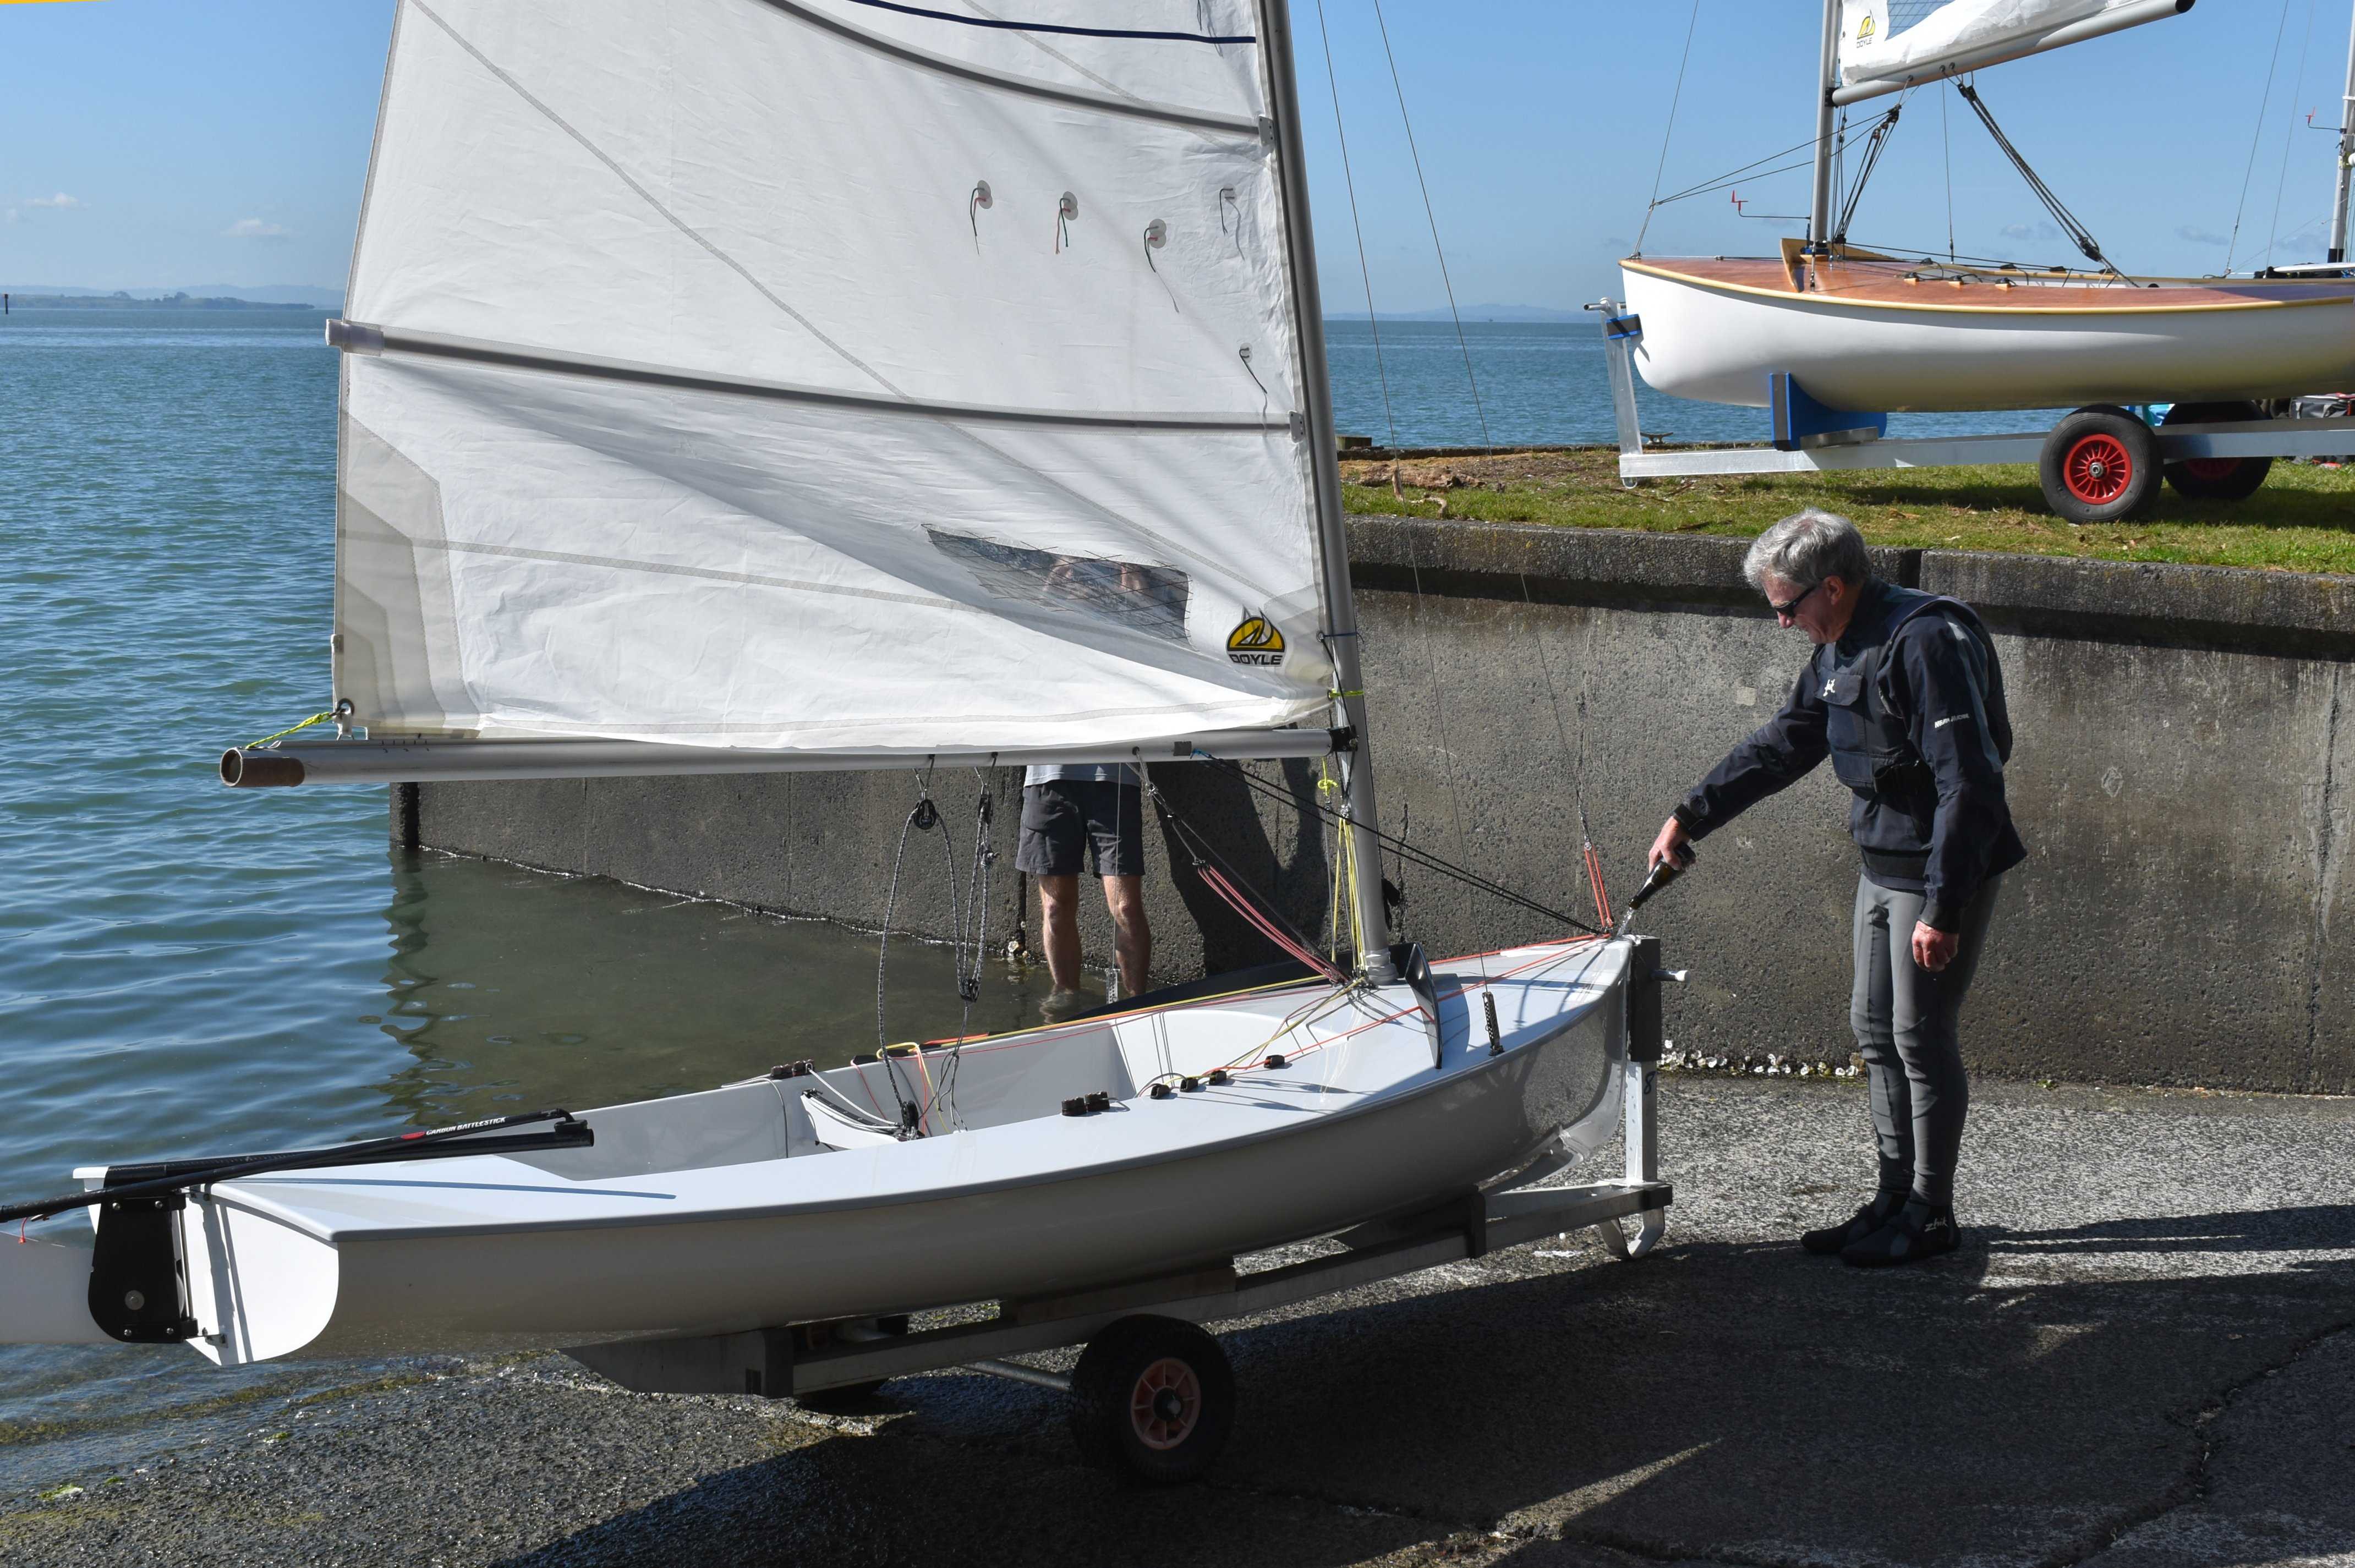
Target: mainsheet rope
{"type": "Point", "coordinates": [969, 916]}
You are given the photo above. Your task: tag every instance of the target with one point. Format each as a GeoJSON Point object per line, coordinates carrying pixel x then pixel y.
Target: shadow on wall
{"type": "Point", "coordinates": [1296, 880]}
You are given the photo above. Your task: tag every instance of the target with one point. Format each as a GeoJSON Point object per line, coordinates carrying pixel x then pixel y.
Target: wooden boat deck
{"type": "Point", "coordinates": [1863, 279]}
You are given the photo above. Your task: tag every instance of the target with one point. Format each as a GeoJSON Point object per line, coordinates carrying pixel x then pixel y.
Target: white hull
{"type": "Point", "coordinates": [719, 1212]}
{"type": "Point", "coordinates": [1718, 343]}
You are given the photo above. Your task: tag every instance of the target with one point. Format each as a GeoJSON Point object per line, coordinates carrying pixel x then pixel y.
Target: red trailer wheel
{"type": "Point", "coordinates": [2099, 464]}
{"type": "Point", "coordinates": [2216, 478]}
{"type": "Point", "coordinates": [2097, 469]}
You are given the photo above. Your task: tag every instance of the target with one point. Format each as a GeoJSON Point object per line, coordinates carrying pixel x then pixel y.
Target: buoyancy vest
{"type": "Point", "coordinates": [1871, 751]}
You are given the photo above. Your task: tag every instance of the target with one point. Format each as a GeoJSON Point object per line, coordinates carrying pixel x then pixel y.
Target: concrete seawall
{"type": "Point", "coordinates": [2184, 777]}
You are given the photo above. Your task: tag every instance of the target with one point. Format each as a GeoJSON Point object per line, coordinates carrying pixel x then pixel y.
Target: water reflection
{"type": "Point", "coordinates": [504, 988]}
{"type": "Point", "coordinates": [510, 989]}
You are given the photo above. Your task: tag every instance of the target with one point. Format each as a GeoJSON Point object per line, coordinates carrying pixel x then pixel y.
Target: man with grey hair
{"type": "Point", "coordinates": [1904, 694]}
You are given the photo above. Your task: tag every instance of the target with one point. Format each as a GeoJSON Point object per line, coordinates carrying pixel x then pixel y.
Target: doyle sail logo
{"type": "Point", "coordinates": [1256, 641]}
{"type": "Point", "coordinates": [1865, 29]}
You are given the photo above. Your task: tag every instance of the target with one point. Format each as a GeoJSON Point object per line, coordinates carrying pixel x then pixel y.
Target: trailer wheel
{"type": "Point", "coordinates": [2216, 478]}
{"type": "Point", "coordinates": [1154, 1397]}
{"type": "Point", "coordinates": [2100, 464]}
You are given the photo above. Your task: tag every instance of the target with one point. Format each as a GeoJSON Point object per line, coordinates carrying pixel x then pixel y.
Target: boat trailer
{"type": "Point", "coordinates": [2100, 464]}
{"type": "Point", "coordinates": [1152, 1394]}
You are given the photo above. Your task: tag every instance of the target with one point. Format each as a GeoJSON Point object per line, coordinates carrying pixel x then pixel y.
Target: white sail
{"type": "Point", "coordinates": [803, 374]}
{"type": "Point", "coordinates": [1901, 41]}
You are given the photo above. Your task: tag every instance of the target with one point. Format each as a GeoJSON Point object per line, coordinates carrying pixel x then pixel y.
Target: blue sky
{"type": "Point", "coordinates": [166, 142]}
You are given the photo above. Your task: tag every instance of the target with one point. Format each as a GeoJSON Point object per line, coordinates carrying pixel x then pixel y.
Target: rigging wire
{"type": "Point", "coordinates": [1408, 852]}
{"type": "Point", "coordinates": [1349, 184]}
{"type": "Point", "coordinates": [1947, 145]}
{"type": "Point", "coordinates": [1876, 142]}
{"type": "Point", "coordinates": [1431, 217]}
{"type": "Point", "coordinates": [1438, 694]}
{"type": "Point", "coordinates": [2256, 138]}
{"type": "Point", "coordinates": [1364, 273]}
{"type": "Point", "coordinates": [1668, 131]}
{"type": "Point", "coordinates": [1575, 764]}
{"type": "Point", "coordinates": [1750, 170]}
{"type": "Point", "coordinates": [2290, 133]}
{"type": "Point", "coordinates": [2075, 229]}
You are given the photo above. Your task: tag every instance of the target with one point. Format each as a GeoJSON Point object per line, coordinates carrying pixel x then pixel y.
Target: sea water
{"type": "Point", "coordinates": [185, 969]}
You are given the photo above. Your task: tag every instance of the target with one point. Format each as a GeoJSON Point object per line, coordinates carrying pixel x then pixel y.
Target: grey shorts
{"type": "Point", "coordinates": [1066, 822]}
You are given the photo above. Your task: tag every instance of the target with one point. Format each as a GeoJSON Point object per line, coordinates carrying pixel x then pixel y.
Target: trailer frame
{"type": "Point", "coordinates": [1851, 450]}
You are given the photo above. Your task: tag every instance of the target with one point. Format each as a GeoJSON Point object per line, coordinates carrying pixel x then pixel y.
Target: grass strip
{"type": "Point", "coordinates": [2302, 520]}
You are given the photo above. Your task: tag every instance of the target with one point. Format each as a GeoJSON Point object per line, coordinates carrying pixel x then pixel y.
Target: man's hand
{"type": "Point", "coordinates": [1934, 949]}
{"type": "Point", "coordinates": [1674, 846]}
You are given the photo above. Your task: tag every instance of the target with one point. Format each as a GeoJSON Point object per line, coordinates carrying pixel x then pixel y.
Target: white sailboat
{"type": "Point", "coordinates": [802, 384]}
{"type": "Point", "coordinates": [1863, 331]}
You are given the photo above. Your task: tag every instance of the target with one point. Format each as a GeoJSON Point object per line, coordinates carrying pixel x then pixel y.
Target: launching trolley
{"type": "Point", "coordinates": [1152, 1394]}
{"type": "Point", "coordinates": [2098, 464]}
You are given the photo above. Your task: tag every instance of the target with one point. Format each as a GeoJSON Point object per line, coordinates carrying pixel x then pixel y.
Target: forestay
{"type": "Point", "coordinates": [805, 375]}
{"type": "Point", "coordinates": [1899, 41]}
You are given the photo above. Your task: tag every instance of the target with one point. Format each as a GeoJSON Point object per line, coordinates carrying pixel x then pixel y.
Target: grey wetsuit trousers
{"type": "Point", "coordinates": [1904, 1018]}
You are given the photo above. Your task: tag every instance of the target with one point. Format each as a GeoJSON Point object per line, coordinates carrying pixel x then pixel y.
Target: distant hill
{"type": "Point", "coordinates": [248, 293]}
{"type": "Point", "coordinates": [17, 302]}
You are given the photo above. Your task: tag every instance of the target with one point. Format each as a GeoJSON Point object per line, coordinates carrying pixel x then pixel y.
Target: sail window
{"type": "Point", "coordinates": [1149, 599]}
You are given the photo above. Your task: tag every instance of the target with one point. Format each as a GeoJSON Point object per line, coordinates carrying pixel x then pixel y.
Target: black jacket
{"type": "Point", "coordinates": [1917, 722]}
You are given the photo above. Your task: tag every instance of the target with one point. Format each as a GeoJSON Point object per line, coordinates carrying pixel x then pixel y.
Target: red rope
{"type": "Point", "coordinates": [1218, 883]}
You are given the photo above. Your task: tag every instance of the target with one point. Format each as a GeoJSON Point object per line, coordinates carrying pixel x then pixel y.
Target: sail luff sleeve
{"type": "Point", "coordinates": [738, 382]}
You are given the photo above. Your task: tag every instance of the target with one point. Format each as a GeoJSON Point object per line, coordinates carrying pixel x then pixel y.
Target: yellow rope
{"type": "Point", "coordinates": [1345, 874]}
{"type": "Point", "coordinates": [314, 718]}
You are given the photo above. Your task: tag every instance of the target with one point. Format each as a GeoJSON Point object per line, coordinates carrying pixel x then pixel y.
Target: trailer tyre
{"type": "Point", "coordinates": [2216, 478]}
{"type": "Point", "coordinates": [2100, 464]}
{"type": "Point", "coordinates": [1154, 1397]}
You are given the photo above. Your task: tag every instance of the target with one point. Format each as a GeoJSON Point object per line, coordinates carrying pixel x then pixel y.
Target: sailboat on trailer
{"type": "Point", "coordinates": [1857, 330]}
{"type": "Point", "coordinates": [742, 384]}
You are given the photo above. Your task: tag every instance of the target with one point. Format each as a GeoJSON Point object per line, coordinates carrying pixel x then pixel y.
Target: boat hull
{"type": "Point", "coordinates": [1715, 332]}
{"type": "Point", "coordinates": [464, 1255]}
{"type": "Point", "coordinates": [1092, 1229]}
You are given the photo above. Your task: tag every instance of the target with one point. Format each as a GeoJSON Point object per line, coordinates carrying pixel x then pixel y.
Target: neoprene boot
{"type": "Point", "coordinates": [1915, 1232]}
{"type": "Point", "coordinates": [1856, 1228]}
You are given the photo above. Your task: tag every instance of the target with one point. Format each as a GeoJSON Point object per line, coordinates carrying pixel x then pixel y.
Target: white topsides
{"type": "Point", "coordinates": [741, 1152]}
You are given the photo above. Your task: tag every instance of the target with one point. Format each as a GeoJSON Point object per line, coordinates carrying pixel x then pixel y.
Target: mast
{"type": "Point", "coordinates": [1819, 214]}
{"type": "Point", "coordinates": [2346, 156]}
{"type": "Point", "coordinates": [1324, 455]}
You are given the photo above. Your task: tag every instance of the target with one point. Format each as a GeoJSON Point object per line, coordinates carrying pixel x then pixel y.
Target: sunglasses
{"type": "Point", "coordinates": [1787, 612]}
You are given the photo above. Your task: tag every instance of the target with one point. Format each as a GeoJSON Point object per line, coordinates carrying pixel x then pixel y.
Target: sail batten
{"type": "Point", "coordinates": [365, 339]}
{"type": "Point", "coordinates": [718, 378]}
{"type": "Point", "coordinates": [1108, 103]}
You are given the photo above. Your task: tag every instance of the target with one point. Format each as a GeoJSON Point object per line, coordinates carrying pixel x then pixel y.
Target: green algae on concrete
{"type": "Point", "coordinates": [2302, 520]}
